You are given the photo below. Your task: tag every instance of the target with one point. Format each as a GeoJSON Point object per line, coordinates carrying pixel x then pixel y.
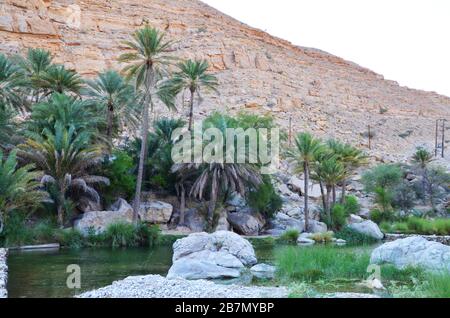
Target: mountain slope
{"type": "Point", "coordinates": [258, 72]}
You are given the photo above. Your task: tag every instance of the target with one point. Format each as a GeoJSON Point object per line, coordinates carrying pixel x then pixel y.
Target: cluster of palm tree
{"type": "Point", "coordinates": [63, 126]}
{"type": "Point", "coordinates": [329, 163]}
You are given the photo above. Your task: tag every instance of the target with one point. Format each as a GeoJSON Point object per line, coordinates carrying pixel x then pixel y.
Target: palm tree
{"type": "Point", "coordinates": [116, 99]}
{"type": "Point", "coordinates": [36, 63]}
{"type": "Point", "coordinates": [10, 82]}
{"type": "Point", "coordinates": [422, 159]}
{"type": "Point", "coordinates": [306, 148]}
{"type": "Point", "coordinates": [65, 157]}
{"type": "Point", "coordinates": [57, 79]}
{"type": "Point", "coordinates": [7, 126]}
{"type": "Point", "coordinates": [66, 110]}
{"type": "Point", "coordinates": [193, 77]}
{"type": "Point", "coordinates": [350, 157]}
{"type": "Point", "coordinates": [19, 189]}
{"type": "Point", "coordinates": [330, 171]}
{"type": "Point", "coordinates": [147, 63]}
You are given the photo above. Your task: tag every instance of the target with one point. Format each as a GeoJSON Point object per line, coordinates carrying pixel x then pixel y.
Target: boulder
{"type": "Point", "coordinates": [194, 220]}
{"type": "Point", "coordinates": [237, 200]}
{"type": "Point", "coordinates": [222, 223]}
{"type": "Point", "coordinates": [155, 212]}
{"type": "Point", "coordinates": [305, 241]}
{"type": "Point", "coordinates": [209, 256]}
{"type": "Point", "coordinates": [313, 189]}
{"type": "Point", "coordinates": [263, 271]}
{"type": "Point", "coordinates": [98, 221]}
{"type": "Point", "coordinates": [246, 223]}
{"type": "Point", "coordinates": [317, 227]}
{"type": "Point", "coordinates": [282, 222]}
{"type": "Point", "coordinates": [368, 228]}
{"type": "Point", "coordinates": [354, 219]}
{"type": "Point", "coordinates": [413, 251]}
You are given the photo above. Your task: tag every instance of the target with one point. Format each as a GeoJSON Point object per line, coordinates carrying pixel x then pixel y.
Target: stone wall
{"type": "Point", "coordinates": [440, 239]}
{"type": "Point", "coordinates": [3, 273]}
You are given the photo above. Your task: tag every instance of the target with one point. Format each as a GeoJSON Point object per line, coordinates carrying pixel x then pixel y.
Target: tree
{"type": "Point", "coordinates": [147, 63]}
{"type": "Point", "coordinates": [57, 79]}
{"type": "Point", "coordinates": [36, 63]}
{"type": "Point", "coordinates": [437, 180]}
{"type": "Point", "coordinates": [330, 171]}
{"type": "Point", "coordinates": [192, 77]}
{"type": "Point", "coordinates": [116, 99]}
{"type": "Point", "coordinates": [19, 188]}
{"type": "Point", "coordinates": [306, 148]}
{"type": "Point", "coordinates": [67, 111]}
{"type": "Point", "coordinates": [10, 82]}
{"type": "Point", "coordinates": [7, 126]}
{"type": "Point", "coordinates": [350, 157]}
{"type": "Point", "coordinates": [65, 157]}
{"type": "Point", "coordinates": [422, 159]}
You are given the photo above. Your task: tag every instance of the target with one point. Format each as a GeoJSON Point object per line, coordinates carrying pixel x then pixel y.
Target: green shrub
{"type": "Point", "coordinates": [119, 171]}
{"type": "Point", "coordinates": [379, 216]}
{"type": "Point", "coordinates": [147, 235]}
{"type": "Point", "coordinates": [265, 199]}
{"type": "Point", "coordinates": [442, 226]}
{"type": "Point", "coordinates": [289, 237]}
{"type": "Point", "coordinates": [400, 227]}
{"type": "Point", "coordinates": [353, 237]}
{"type": "Point", "coordinates": [16, 232]}
{"type": "Point", "coordinates": [338, 216]}
{"type": "Point", "coordinates": [417, 225]}
{"type": "Point", "coordinates": [70, 238]}
{"type": "Point", "coordinates": [121, 235]}
{"type": "Point", "coordinates": [420, 226]}
{"type": "Point", "coordinates": [44, 232]}
{"type": "Point", "coordinates": [351, 205]}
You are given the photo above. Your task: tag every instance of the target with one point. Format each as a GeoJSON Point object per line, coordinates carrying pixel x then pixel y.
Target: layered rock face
{"type": "Point", "coordinates": [320, 92]}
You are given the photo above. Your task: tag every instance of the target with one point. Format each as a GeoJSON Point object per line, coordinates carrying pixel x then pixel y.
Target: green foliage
{"type": "Point", "coordinates": [289, 237]}
{"type": "Point", "coordinates": [379, 216]}
{"type": "Point", "coordinates": [70, 238]}
{"type": "Point", "coordinates": [351, 205]}
{"type": "Point", "coordinates": [312, 264]}
{"type": "Point", "coordinates": [265, 199]}
{"type": "Point", "coordinates": [326, 237]}
{"type": "Point", "coordinates": [416, 225]}
{"type": "Point", "coordinates": [119, 169]}
{"type": "Point", "coordinates": [58, 79]}
{"type": "Point", "coordinates": [339, 216]}
{"type": "Point", "coordinates": [353, 237]}
{"type": "Point", "coordinates": [19, 189]}
{"type": "Point", "coordinates": [130, 235]}
{"type": "Point", "coordinates": [433, 286]}
{"type": "Point", "coordinates": [385, 177]}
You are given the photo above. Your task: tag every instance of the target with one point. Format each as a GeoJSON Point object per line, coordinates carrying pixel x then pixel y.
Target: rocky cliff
{"type": "Point", "coordinates": [320, 92]}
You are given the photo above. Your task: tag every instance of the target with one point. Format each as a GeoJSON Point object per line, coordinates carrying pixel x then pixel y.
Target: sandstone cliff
{"type": "Point", "coordinates": [321, 92]}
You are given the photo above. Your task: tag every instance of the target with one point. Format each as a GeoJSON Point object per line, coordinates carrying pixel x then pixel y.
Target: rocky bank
{"type": "Point", "coordinates": [258, 72]}
{"type": "Point", "coordinates": [3, 273]}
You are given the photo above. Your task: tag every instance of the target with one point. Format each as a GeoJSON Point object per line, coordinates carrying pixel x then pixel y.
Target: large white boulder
{"type": "Point", "coordinates": [368, 228]}
{"type": "Point", "coordinates": [155, 212]}
{"type": "Point", "coordinates": [413, 251]}
{"type": "Point", "coordinates": [121, 212]}
{"type": "Point", "coordinates": [263, 271]}
{"type": "Point", "coordinates": [208, 256]}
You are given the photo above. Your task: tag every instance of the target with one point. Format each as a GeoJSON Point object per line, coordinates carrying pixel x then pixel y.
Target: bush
{"type": "Point", "coordinates": [70, 238]}
{"type": "Point", "coordinates": [289, 236]}
{"type": "Point", "coordinates": [119, 171]}
{"type": "Point", "coordinates": [130, 235]}
{"type": "Point", "coordinates": [15, 232]}
{"type": "Point", "coordinates": [265, 199]}
{"type": "Point", "coordinates": [351, 205]}
{"type": "Point", "coordinates": [379, 216]}
{"type": "Point", "coordinates": [353, 237]}
{"type": "Point", "coordinates": [326, 237]}
{"type": "Point", "coordinates": [339, 216]}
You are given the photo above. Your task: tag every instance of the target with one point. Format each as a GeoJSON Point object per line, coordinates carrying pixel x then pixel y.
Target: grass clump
{"type": "Point", "coordinates": [433, 286]}
{"type": "Point", "coordinates": [353, 237]}
{"type": "Point", "coordinates": [130, 235]}
{"type": "Point", "coordinates": [312, 264]}
{"type": "Point", "coordinates": [289, 237]}
{"type": "Point", "coordinates": [326, 237]}
{"type": "Point", "coordinates": [417, 225]}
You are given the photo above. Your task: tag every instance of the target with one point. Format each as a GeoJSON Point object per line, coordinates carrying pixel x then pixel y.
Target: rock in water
{"type": "Point", "coordinates": [368, 228]}
{"type": "Point", "coordinates": [413, 251]}
{"type": "Point", "coordinates": [155, 212]}
{"type": "Point", "coordinates": [263, 271]}
{"type": "Point", "coordinates": [207, 256]}
{"type": "Point", "coordinates": [121, 211]}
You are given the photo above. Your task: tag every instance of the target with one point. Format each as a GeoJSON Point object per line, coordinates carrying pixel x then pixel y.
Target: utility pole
{"type": "Point", "coordinates": [290, 130]}
{"type": "Point", "coordinates": [370, 137]}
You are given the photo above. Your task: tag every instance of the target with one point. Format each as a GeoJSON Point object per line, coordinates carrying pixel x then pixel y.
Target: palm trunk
{"type": "Point", "coordinates": [191, 110]}
{"type": "Point", "coordinates": [343, 192]}
{"type": "Point", "coordinates": [306, 169]}
{"type": "Point", "coordinates": [182, 205]}
{"type": "Point", "coordinates": [211, 209]}
{"type": "Point", "coordinates": [322, 192]}
{"type": "Point", "coordinates": [328, 207]}
{"type": "Point", "coordinates": [60, 210]}
{"type": "Point", "coordinates": [144, 136]}
{"type": "Point", "coordinates": [334, 194]}
{"type": "Point", "coordinates": [109, 121]}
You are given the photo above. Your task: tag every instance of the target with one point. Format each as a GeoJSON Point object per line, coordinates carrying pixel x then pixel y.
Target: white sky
{"type": "Point", "coordinates": [405, 40]}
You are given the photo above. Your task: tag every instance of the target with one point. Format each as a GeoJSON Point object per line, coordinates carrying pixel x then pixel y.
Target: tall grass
{"type": "Point", "coordinates": [416, 225]}
{"type": "Point", "coordinates": [321, 262]}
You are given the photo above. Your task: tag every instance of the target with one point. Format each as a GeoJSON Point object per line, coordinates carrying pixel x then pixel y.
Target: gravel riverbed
{"type": "Point", "coordinates": [156, 286]}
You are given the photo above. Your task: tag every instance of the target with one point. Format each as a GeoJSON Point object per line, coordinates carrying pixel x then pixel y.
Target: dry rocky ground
{"type": "Point", "coordinates": [258, 72]}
